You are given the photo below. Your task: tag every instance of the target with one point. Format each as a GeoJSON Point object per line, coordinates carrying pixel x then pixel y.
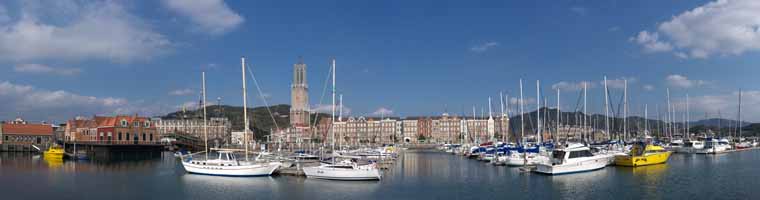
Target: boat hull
{"type": "Point", "coordinates": [574, 167]}
{"type": "Point", "coordinates": [342, 174]}
{"type": "Point", "coordinates": [264, 169]}
{"type": "Point", "coordinates": [635, 161]}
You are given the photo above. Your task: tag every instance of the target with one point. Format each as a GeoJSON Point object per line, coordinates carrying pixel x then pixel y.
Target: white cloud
{"type": "Point", "coordinates": [727, 104]}
{"type": "Point", "coordinates": [326, 108]}
{"type": "Point", "coordinates": [44, 69]}
{"type": "Point", "coordinates": [181, 92]}
{"type": "Point", "coordinates": [382, 111]}
{"type": "Point", "coordinates": [648, 87]}
{"type": "Point", "coordinates": [78, 30]}
{"type": "Point", "coordinates": [680, 81]}
{"type": "Point", "coordinates": [619, 83]}
{"type": "Point", "coordinates": [572, 86]}
{"type": "Point", "coordinates": [526, 101]}
{"type": "Point", "coordinates": [652, 42]}
{"type": "Point", "coordinates": [484, 47]}
{"type": "Point", "coordinates": [614, 29]}
{"type": "Point", "coordinates": [213, 16]}
{"type": "Point", "coordinates": [42, 104]}
{"type": "Point", "coordinates": [722, 27]}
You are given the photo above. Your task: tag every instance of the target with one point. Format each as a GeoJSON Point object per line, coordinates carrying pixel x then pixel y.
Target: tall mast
{"type": "Point", "coordinates": [508, 124]}
{"type": "Point", "coordinates": [688, 134]}
{"type": "Point", "coordinates": [670, 118]}
{"type": "Point", "coordinates": [340, 108]}
{"type": "Point", "coordinates": [625, 109]}
{"type": "Point", "coordinates": [739, 123]}
{"type": "Point", "coordinates": [501, 119]}
{"type": "Point", "coordinates": [538, 111]}
{"type": "Point", "coordinates": [245, 109]}
{"type": "Point", "coordinates": [522, 115]}
{"type": "Point", "coordinates": [332, 116]}
{"type": "Point", "coordinates": [205, 126]}
{"type": "Point", "coordinates": [607, 109]}
{"type": "Point", "coordinates": [585, 117]}
{"type": "Point", "coordinates": [558, 111]}
{"type": "Point", "coordinates": [646, 120]}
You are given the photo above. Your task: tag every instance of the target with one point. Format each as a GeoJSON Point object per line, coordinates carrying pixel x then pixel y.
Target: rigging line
{"type": "Point", "coordinates": [321, 97]}
{"type": "Point", "coordinates": [266, 104]}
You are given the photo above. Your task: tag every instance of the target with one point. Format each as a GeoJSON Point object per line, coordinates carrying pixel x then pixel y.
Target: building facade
{"type": "Point", "coordinates": [218, 128]}
{"type": "Point", "coordinates": [121, 129]}
{"type": "Point", "coordinates": [20, 136]}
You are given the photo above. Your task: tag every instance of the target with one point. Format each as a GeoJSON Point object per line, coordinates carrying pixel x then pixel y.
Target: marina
{"type": "Point", "coordinates": [425, 174]}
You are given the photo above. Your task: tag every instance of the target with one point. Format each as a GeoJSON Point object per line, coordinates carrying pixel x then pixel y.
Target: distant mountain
{"type": "Point", "coordinates": [718, 122]}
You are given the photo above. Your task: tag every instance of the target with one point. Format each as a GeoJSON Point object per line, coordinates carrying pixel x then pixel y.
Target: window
{"type": "Point", "coordinates": [119, 135]}
{"type": "Point", "coordinates": [39, 140]}
{"type": "Point", "coordinates": [6, 138]}
{"type": "Point", "coordinates": [147, 124]}
{"type": "Point", "coordinates": [124, 123]}
{"type": "Point", "coordinates": [143, 137]}
{"type": "Point", "coordinates": [127, 136]}
{"type": "Point", "coordinates": [136, 124]}
{"type": "Point", "coordinates": [151, 137]}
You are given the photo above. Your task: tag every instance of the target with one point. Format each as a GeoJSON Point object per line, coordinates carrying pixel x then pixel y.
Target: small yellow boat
{"type": "Point", "coordinates": [54, 152]}
{"type": "Point", "coordinates": [643, 154]}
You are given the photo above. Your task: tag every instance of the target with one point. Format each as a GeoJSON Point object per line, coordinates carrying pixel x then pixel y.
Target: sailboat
{"type": "Point", "coordinates": [226, 164]}
{"type": "Point", "coordinates": [346, 170]}
{"type": "Point", "coordinates": [524, 155]}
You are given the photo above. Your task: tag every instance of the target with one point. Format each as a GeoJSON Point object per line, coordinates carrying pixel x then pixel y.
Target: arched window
{"type": "Point", "coordinates": [124, 123]}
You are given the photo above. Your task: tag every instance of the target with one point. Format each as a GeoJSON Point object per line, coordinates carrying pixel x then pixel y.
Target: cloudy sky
{"type": "Point", "coordinates": [66, 58]}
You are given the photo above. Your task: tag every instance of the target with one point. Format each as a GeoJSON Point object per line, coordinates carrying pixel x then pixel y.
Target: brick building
{"type": "Point", "coordinates": [20, 136]}
{"type": "Point", "coordinates": [112, 130]}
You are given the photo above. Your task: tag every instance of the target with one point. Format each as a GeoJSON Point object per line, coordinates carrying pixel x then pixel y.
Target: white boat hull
{"type": "Point", "coordinates": [520, 160]}
{"type": "Point", "coordinates": [259, 169]}
{"type": "Point", "coordinates": [585, 165]}
{"type": "Point", "coordinates": [714, 150]}
{"type": "Point", "coordinates": [320, 172]}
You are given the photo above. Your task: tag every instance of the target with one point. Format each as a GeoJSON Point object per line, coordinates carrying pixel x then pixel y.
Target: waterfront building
{"type": "Point", "coordinates": [409, 129]}
{"type": "Point", "coordinates": [424, 129]}
{"type": "Point", "coordinates": [18, 135]}
{"type": "Point", "coordinates": [446, 129]}
{"type": "Point", "coordinates": [299, 97]}
{"type": "Point", "coordinates": [218, 128]}
{"type": "Point", "coordinates": [476, 130]}
{"type": "Point", "coordinates": [122, 129]}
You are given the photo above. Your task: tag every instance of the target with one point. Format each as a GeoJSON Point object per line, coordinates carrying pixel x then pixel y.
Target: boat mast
{"type": "Point", "coordinates": [625, 109]}
{"type": "Point", "coordinates": [332, 116]}
{"type": "Point", "coordinates": [522, 115]}
{"type": "Point", "coordinates": [501, 119]}
{"type": "Point", "coordinates": [538, 112]}
{"type": "Point", "coordinates": [558, 111]}
{"type": "Point", "coordinates": [245, 109]}
{"type": "Point", "coordinates": [205, 126]}
{"type": "Point", "coordinates": [646, 120]}
{"type": "Point", "coordinates": [670, 118]}
{"type": "Point", "coordinates": [585, 117]}
{"type": "Point", "coordinates": [607, 109]}
{"type": "Point", "coordinates": [739, 123]}
{"type": "Point", "coordinates": [688, 134]}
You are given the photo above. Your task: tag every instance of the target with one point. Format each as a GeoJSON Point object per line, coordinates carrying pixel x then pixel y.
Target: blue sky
{"type": "Point", "coordinates": [89, 57]}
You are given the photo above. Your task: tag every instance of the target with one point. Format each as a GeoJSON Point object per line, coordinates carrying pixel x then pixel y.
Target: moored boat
{"type": "Point", "coordinates": [574, 158]}
{"type": "Point", "coordinates": [643, 153]}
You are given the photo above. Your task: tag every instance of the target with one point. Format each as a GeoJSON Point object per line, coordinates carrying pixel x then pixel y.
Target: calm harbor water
{"type": "Point", "coordinates": [416, 175]}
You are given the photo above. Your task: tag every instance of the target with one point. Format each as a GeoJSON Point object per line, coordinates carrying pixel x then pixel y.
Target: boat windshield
{"type": "Point", "coordinates": [341, 167]}
{"type": "Point", "coordinates": [579, 154]}
{"type": "Point", "coordinates": [559, 155]}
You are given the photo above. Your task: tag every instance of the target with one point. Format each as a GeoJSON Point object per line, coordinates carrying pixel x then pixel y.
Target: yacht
{"type": "Point", "coordinates": [714, 146]}
{"type": "Point", "coordinates": [691, 146]}
{"type": "Point", "coordinates": [643, 153]}
{"type": "Point", "coordinates": [525, 157]}
{"type": "Point", "coordinates": [227, 165]}
{"type": "Point", "coordinates": [574, 158]}
{"type": "Point", "coordinates": [346, 169]}
{"type": "Point", "coordinates": [676, 145]}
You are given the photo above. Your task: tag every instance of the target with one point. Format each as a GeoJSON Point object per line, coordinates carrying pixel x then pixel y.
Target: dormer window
{"type": "Point", "coordinates": [147, 124]}
{"type": "Point", "coordinates": [136, 124]}
{"type": "Point", "coordinates": [124, 123]}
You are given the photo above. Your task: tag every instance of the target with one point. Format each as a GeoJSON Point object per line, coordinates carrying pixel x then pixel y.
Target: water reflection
{"type": "Point", "coordinates": [579, 185]}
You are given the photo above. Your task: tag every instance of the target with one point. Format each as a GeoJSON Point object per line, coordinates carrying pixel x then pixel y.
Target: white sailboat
{"type": "Point", "coordinates": [574, 158]}
{"type": "Point", "coordinates": [346, 170]}
{"type": "Point", "coordinates": [529, 156]}
{"type": "Point", "coordinates": [226, 164]}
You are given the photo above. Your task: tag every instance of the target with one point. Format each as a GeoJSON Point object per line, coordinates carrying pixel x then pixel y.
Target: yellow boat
{"type": "Point", "coordinates": [643, 154]}
{"type": "Point", "coordinates": [54, 152]}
